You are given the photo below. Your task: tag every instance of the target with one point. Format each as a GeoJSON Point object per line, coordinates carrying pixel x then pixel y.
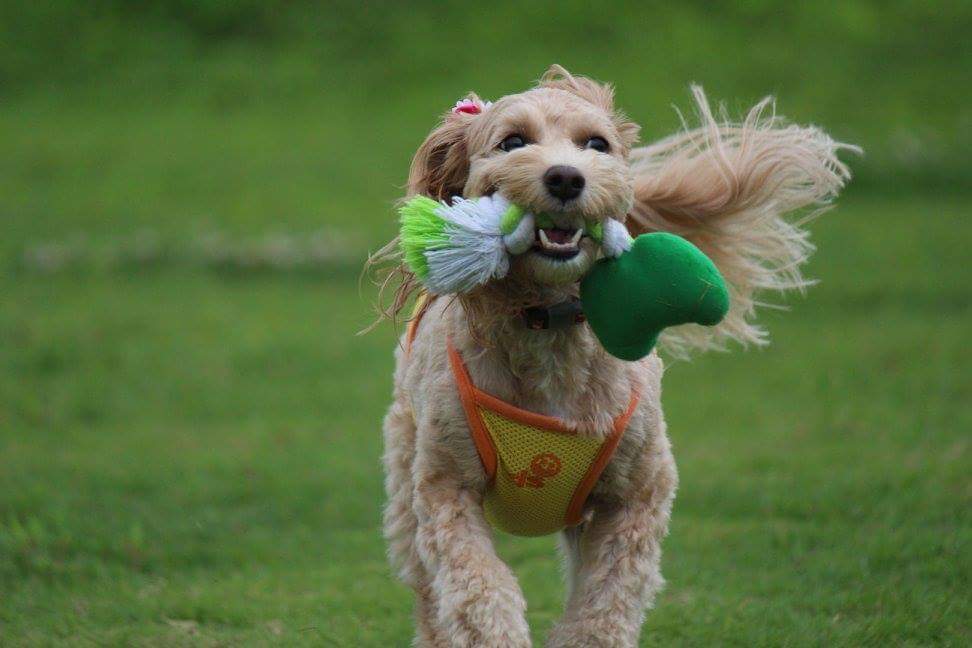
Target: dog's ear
{"type": "Point", "coordinates": [599, 94]}
{"type": "Point", "coordinates": [441, 164]}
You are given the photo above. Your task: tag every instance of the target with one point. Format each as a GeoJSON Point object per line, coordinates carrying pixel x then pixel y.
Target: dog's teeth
{"type": "Point", "coordinates": [570, 246]}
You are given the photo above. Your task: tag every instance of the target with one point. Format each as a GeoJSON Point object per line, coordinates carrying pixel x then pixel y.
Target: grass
{"type": "Point", "coordinates": [194, 456]}
{"type": "Point", "coordinates": [190, 439]}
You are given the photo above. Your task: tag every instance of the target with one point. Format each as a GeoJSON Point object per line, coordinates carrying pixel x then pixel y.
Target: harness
{"type": "Point", "coordinates": [539, 473]}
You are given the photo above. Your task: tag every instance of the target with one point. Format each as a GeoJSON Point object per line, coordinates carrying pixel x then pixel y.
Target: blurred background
{"type": "Point", "coordinates": [190, 430]}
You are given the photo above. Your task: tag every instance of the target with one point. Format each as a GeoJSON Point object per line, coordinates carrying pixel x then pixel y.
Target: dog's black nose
{"type": "Point", "coordinates": [564, 182]}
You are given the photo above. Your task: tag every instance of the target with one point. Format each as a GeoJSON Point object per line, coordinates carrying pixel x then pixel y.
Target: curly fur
{"type": "Point", "coordinates": [728, 188]}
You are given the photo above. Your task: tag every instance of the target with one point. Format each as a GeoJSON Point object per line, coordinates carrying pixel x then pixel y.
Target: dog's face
{"type": "Point", "coordinates": [554, 154]}
{"type": "Point", "coordinates": [559, 151]}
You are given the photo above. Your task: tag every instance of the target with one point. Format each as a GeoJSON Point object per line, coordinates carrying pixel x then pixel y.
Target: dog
{"type": "Point", "coordinates": [563, 149]}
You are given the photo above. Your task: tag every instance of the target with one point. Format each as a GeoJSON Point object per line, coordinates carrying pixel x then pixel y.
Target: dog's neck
{"type": "Point", "coordinates": [561, 372]}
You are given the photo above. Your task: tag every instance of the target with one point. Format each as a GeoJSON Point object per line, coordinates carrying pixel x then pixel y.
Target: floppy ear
{"type": "Point", "coordinates": [594, 92]}
{"type": "Point", "coordinates": [441, 164]}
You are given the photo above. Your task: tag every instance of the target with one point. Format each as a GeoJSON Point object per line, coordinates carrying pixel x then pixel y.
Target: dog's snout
{"type": "Point", "coordinates": [564, 182]}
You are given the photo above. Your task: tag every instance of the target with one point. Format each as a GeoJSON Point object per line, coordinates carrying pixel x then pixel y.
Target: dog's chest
{"type": "Point", "coordinates": [539, 468]}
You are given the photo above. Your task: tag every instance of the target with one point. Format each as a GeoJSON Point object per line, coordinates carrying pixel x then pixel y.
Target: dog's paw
{"type": "Point", "coordinates": [491, 621]}
{"type": "Point", "coordinates": [591, 634]}
{"type": "Point", "coordinates": [483, 609]}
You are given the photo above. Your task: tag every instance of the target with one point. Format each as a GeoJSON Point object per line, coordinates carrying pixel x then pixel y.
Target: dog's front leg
{"type": "Point", "coordinates": [478, 600]}
{"type": "Point", "coordinates": [616, 571]}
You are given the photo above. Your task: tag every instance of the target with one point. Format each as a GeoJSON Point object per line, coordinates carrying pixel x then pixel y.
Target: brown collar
{"type": "Point", "coordinates": [556, 316]}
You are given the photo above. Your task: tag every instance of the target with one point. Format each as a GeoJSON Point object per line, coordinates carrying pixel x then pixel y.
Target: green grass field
{"type": "Point", "coordinates": [190, 429]}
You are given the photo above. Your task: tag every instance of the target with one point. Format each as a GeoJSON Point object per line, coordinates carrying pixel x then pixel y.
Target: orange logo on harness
{"type": "Point", "coordinates": [542, 466]}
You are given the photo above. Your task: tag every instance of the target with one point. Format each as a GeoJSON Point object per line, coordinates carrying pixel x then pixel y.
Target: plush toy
{"type": "Point", "coordinates": [641, 287]}
{"type": "Point", "coordinates": [662, 281]}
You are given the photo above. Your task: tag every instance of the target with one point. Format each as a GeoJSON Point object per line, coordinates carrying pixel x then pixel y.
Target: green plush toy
{"type": "Point", "coordinates": [662, 281]}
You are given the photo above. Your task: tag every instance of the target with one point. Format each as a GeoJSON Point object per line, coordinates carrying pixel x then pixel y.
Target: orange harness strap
{"type": "Point", "coordinates": [576, 507]}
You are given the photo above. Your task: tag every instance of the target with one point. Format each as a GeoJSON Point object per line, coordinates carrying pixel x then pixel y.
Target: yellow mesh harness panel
{"type": "Point", "coordinates": [540, 472]}
{"type": "Point", "coordinates": [537, 473]}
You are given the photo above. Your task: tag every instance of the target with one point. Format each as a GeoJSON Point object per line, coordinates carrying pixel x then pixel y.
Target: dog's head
{"type": "Point", "coordinates": [559, 151]}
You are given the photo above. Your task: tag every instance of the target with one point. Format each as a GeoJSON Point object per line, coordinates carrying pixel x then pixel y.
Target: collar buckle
{"type": "Point", "coordinates": [557, 316]}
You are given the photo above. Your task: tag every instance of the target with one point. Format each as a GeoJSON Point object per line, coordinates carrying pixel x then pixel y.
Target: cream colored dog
{"type": "Point", "coordinates": [725, 187]}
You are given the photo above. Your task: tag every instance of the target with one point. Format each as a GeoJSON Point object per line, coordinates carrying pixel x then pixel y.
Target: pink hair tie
{"type": "Point", "coordinates": [469, 107]}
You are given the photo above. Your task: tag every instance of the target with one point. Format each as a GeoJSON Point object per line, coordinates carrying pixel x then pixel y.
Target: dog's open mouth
{"type": "Point", "coordinates": [557, 243]}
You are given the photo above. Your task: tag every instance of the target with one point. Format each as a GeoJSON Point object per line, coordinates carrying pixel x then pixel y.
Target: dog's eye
{"type": "Point", "coordinates": [599, 144]}
{"type": "Point", "coordinates": [512, 142]}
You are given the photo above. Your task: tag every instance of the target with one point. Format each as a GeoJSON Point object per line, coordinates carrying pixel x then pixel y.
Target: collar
{"type": "Point", "coordinates": [556, 316]}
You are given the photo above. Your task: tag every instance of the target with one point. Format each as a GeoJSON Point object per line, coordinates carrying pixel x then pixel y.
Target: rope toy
{"type": "Point", "coordinates": [455, 248]}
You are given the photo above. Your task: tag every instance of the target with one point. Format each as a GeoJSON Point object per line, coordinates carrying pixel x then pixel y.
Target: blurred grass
{"type": "Point", "coordinates": [189, 450]}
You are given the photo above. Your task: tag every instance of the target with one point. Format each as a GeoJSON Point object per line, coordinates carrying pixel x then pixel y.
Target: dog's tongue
{"type": "Point", "coordinates": [560, 236]}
